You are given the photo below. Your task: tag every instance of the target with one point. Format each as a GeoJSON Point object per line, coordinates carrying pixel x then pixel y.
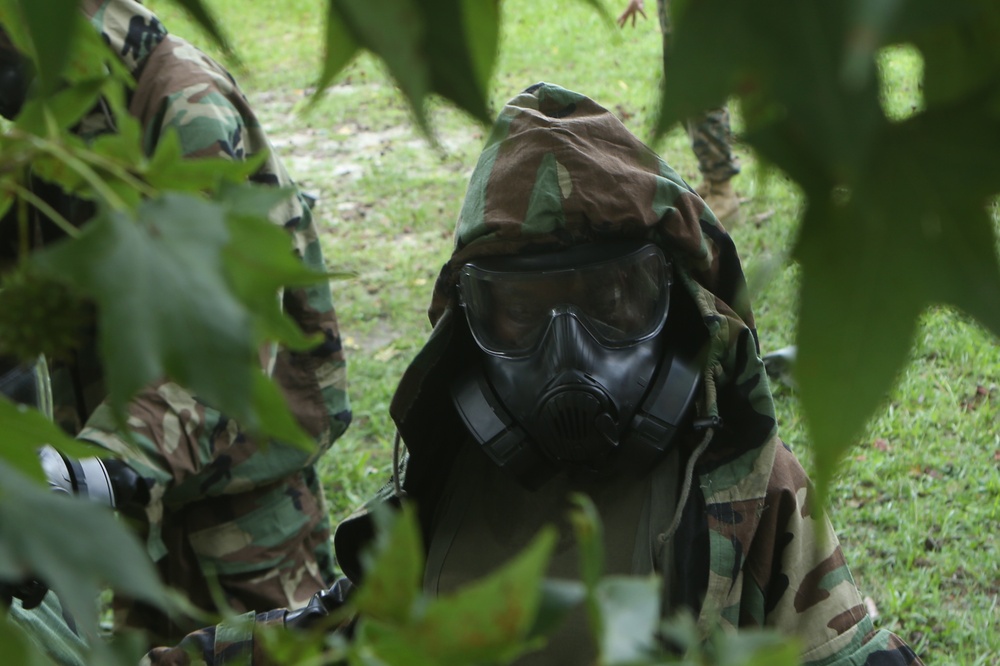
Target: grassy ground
{"type": "Point", "coordinates": [917, 505]}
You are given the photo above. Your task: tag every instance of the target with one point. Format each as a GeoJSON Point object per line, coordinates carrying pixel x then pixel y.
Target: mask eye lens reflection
{"type": "Point", "coordinates": [620, 300]}
{"type": "Point", "coordinates": [518, 315]}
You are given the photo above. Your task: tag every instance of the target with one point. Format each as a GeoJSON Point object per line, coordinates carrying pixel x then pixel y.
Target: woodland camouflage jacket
{"type": "Point", "coordinates": [181, 89]}
{"type": "Point", "coordinates": [260, 516]}
{"type": "Point", "coordinates": [559, 170]}
{"type": "Point", "coordinates": [220, 501]}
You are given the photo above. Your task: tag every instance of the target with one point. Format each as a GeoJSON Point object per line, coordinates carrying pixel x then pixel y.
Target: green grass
{"type": "Point", "coordinates": [917, 502]}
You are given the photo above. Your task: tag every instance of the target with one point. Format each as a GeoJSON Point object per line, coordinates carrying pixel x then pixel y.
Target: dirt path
{"type": "Point", "coordinates": [328, 159]}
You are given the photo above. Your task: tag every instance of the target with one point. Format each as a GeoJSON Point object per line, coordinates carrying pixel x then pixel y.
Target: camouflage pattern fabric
{"type": "Point", "coordinates": [231, 643]}
{"type": "Point", "coordinates": [559, 170]}
{"type": "Point", "coordinates": [709, 131]}
{"type": "Point", "coordinates": [49, 631]}
{"type": "Point", "coordinates": [223, 507]}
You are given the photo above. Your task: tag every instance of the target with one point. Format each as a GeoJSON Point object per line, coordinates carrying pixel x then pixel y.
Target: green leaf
{"type": "Point", "coordinates": [481, 23]}
{"type": "Point", "coordinates": [630, 607]}
{"type": "Point", "coordinates": [73, 546]}
{"type": "Point", "coordinates": [124, 145]}
{"type": "Point", "coordinates": [24, 430]}
{"type": "Point", "coordinates": [487, 621]}
{"type": "Point", "coordinates": [53, 26]}
{"type": "Point", "coordinates": [199, 11]}
{"type": "Point", "coordinates": [461, 48]}
{"type": "Point", "coordinates": [447, 47]}
{"type": "Point", "coordinates": [93, 58]}
{"type": "Point", "coordinates": [6, 198]}
{"type": "Point", "coordinates": [590, 537]}
{"type": "Point", "coordinates": [681, 632]}
{"type": "Point", "coordinates": [871, 22]}
{"type": "Point", "coordinates": [256, 267]}
{"type": "Point", "coordinates": [381, 645]}
{"type": "Point", "coordinates": [854, 331]}
{"type": "Point", "coordinates": [895, 220]}
{"type": "Point", "coordinates": [755, 648]}
{"type": "Point", "coordinates": [257, 271]}
{"type": "Point", "coordinates": [195, 293]}
{"type": "Point", "coordinates": [246, 200]}
{"type": "Point", "coordinates": [910, 233]}
{"type": "Point", "coordinates": [943, 194]}
{"type": "Point", "coordinates": [693, 83]}
{"type": "Point", "coordinates": [722, 647]}
{"type": "Point", "coordinates": [56, 170]}
{"type": "Point", "coordinates": [340, 49]}
{"type": "Point", "coordinates": [826, 123]}
{"type": "Point", "coordinates": [393, 568]}
{"type": "Point", "coordinates": [960, 55]}
{"type": "Point", "coordinates": [395, 31]}
{"type": "Point", "coordinates": [559, 597]}
{"type": "Point", "coordinates": [169, 170]}
{"type": "Point", "coordinates": [164, 304]}
{"type": "Point", "coordinates": [15, 647]}
{"type": "Point", "coordinates": [53, 640]}
{"type": "Point", "coordinates": [270, 414]}
{"type": "Point", "coordinates": [914, 18]}
{"type": "Point", "coordinates": [66, 107]}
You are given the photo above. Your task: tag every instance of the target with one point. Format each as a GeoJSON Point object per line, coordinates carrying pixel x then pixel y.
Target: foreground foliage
{"type": "Point", "coordinates": [897, 204]}
{"type": "Point", "coordinates": [509, 613]}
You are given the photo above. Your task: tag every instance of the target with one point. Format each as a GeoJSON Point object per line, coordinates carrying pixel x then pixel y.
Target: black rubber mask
{"type": "Point", "coordinates": [573, 362]}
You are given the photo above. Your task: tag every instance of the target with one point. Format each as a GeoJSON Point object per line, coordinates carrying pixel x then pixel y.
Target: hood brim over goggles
{"type": "Point", "coordinates": [619, 292]}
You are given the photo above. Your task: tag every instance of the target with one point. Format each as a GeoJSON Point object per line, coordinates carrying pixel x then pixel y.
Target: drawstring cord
{"type": "Point", "coordinates": [709, 424]}
{"type": "Point", "coordinates": [686, 486]}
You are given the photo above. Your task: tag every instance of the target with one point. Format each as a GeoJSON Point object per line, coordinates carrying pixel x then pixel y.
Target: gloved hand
{"type": "Point", "coordinates": [320, 606]}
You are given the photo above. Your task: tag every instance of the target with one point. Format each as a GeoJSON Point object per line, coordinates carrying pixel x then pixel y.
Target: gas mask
{"type": "Point", "coordinates": [575, 370]}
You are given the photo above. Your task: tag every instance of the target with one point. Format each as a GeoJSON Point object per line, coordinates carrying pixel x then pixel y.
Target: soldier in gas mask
{"type": "Point", "coordinates": [592, 334]}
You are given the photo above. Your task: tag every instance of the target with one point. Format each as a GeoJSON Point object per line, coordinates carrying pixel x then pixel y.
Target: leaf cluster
{"type": "Point", "coordinates": [512, 611]}
{"type": "Point", "coordinates": [897, 214]}
{"type": "Point", "coordinates": [181, 266]}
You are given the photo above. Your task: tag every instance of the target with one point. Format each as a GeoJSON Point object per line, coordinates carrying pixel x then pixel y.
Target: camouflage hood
{"type": "Point", "coordinates": [131, 30]}
{"type": "Point", "coordinates": [559, 170]}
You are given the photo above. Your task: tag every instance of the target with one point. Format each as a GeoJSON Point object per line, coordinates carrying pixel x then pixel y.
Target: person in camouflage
{"type": "Point", "coordinates": [709, 131]}
{"type": "Point", "coordinates": [215, 505]}
{"type": "Point", "coordinates": [687, 472]}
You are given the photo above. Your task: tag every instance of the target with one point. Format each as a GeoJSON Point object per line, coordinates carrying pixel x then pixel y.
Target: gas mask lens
{"type": "Point", "coordinates": [618, 292]}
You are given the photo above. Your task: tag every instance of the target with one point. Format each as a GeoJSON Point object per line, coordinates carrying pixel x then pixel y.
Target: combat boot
{"type": "Point", "coordinates": [722, 200]}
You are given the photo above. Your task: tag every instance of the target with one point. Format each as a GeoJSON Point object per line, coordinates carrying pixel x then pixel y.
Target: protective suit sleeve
{"type": "Point", "coordinates": [231, 642]}
{"type": "Point", "coordinates": [796, 580]}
